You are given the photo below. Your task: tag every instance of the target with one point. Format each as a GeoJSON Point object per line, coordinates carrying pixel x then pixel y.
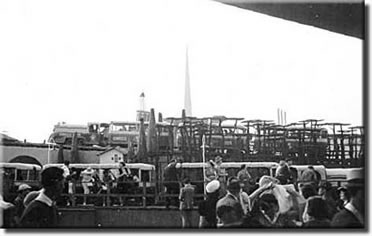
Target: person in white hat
{"type": "Point", "coordinates": [207, 208]}
{"type": "Point", "coordinates": [23, 190]}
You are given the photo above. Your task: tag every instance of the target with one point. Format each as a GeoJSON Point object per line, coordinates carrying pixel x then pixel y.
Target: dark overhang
{"type": "Point", "coordinates": [344, 17]}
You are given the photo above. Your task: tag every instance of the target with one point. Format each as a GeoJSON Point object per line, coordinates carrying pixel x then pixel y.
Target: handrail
{"type": "Point", "coordinates": [143, 193]}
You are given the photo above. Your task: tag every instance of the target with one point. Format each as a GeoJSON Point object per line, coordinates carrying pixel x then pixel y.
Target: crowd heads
{"type": "Point", "coordinates": [229, 201]}
{"type": "Point", "coordinates": [277, 205]}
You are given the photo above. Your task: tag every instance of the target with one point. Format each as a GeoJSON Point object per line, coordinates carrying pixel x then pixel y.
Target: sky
{"type": "Point", "coordinates": [89, 61]}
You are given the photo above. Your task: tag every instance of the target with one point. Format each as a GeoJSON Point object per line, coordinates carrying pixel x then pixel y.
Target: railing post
{"type": "Point", "coordinates": [108, 195]}
{"type": "Point", "coordinates": [73, 203]}
{"type": "Point", "coordinates": [144, 194]}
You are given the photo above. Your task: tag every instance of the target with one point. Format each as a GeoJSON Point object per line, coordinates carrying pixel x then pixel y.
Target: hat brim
{"type": "Point", "coordinates": [341, 189]}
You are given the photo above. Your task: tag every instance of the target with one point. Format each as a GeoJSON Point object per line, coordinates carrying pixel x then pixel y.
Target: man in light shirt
{"type": "Point", "coordinates": [42, 212]}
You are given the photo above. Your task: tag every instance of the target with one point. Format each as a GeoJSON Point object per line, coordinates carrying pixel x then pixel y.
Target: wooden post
{"type": "Point", "coordinates": [108, 195]}
{"type": "Point", "coordinates": [144, 194]}
{"type": "Point", "coordinates": [73, 194]}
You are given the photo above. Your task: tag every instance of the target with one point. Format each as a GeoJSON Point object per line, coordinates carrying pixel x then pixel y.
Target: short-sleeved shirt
{"type": "Point", "coordinates": [187, 197]}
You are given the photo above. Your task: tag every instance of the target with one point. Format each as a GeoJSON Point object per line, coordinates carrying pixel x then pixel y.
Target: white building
{"type": "Point", "coordinates": [113, 155]}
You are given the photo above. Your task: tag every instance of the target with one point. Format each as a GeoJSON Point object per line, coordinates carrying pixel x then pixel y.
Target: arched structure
{"type": "Point", "coordinates": [25, 159]}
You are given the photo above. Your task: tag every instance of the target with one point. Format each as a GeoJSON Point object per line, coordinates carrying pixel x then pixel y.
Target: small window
{"type": "Point", "coordinates": [21, 175]}
{"type": "Point", "coordinates": [145, 176]}
{"type": "Point", "coordinates": [116, 158]}
{"type": "Point", "coordinates": [134, 172]}
{"type": "Point", "coordinates": [34, 175]}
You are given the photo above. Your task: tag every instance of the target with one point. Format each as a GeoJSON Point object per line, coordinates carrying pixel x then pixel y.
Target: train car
{"type": "Point", "coordinates": [145, 173]}
{"type": "Point", "coordinates": [15, 174]}
{"type": "Point", "coordinates": [93, 133]}
{"type": "Point", "coordinates": [115, 133]}
{"type": "Point", "coordinates": [339, 176]}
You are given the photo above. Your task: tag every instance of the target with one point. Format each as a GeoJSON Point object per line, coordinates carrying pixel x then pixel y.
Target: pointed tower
{"type": "Point", "coordinates": [187, 105]}
{"type": "Point", "coordinates": [142, 101]}
{"type": "Point", "coordinates": [142, 113]}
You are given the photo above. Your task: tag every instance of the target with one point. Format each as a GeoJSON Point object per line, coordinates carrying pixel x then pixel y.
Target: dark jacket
{"type": "Point", "coordinates": [19, 207]}
{"type": "Point", "coordinates": [256, 219]}
{"type": "Point", "coordinates": [324, 223]}
{"type": "Point", "coordinates": [39, 215]}
{"type": "Point", "coordinates": [345, 219]}
{"type": "Point", "coordinates": [207, 208]}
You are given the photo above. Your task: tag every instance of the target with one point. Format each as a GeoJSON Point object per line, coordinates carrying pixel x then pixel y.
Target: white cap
{"type": "Point", "coordinates": [212, 186]}
{"type": "Point", "coordinates": [23, 187]}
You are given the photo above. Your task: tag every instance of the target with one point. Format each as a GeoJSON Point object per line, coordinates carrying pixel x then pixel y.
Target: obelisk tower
{"type": "Point", "coordinates": [142, 113]}
{"type": "Point", "coordinates": [187, 105]}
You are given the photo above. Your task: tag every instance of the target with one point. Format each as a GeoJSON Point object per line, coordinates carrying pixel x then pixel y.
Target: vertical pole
{"type": "Point", "coordinates": [48, 153]}
{"type": "Point", "coordinates": [108, 194]}
{"type": "Point", "coordinates": [285, 118]}
{"type": "Point", "coordinates": [144, 193]}
{"type": "Point", "coordinates": [203, 147]}
{"type": "Point", "coordinates": [281, 117]}
{"type": "Point", "coordinates": [278, 112]}
{"type": "Point", "coordinates": [73, 194]}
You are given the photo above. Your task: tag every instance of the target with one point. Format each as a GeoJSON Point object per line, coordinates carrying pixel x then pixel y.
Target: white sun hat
{"type": "Point", "coordinates": [212, 186]}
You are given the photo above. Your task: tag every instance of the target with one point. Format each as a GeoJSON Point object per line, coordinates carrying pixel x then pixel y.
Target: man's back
{"type": "Point", "coordinates": [345, 219]}
{"type": "Point", "coordinates": [230, 200]}
{"type": "Point", "coordinates": [187, 197]}
{"type": "Point", "coordinates": [39, 215]}
{"type": "Point", "coordinates": [170, 172]}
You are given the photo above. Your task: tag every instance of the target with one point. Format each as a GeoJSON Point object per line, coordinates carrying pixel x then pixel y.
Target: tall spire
{"type": "Point", "coordinates": [187, 105]}
{"type": "Point", "coordinates": [142, 102]}
{"type": "Point", "coordinates": [142, 113]}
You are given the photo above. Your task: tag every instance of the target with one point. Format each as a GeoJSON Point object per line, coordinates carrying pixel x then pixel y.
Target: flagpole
{"type": "Point", "coordinates": [203, 148]}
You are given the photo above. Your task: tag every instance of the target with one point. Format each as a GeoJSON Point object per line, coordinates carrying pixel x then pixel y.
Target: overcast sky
{"type": "Point", "coordinates": [82, 61]}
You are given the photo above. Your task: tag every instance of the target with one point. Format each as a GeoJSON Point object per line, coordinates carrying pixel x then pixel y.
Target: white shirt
{"type": "Point", "coordinates": [44, 198]}
{"type": "Point", "coordinates": [66, 171]}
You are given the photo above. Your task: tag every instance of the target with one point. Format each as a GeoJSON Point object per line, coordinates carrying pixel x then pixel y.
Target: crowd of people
{"type": "Point", "coordinates": [276, 202]}
{"type": "Point", "coordinates": [283, 201]}
{"type": "Point", "coordinates": [17, 214]}
{"type": "Point", "coordinates": [92, 181]}
{"type": "Point", "coordinates": [36, 209]}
